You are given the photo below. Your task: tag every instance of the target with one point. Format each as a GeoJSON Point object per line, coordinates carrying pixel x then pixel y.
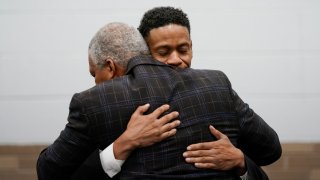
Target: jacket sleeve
{"type": "Point", "coordinates": [254, 172]}
{"type": "Point", "coordinates": [70, 149]}
{"type": "Point", "coordinates": [91, 169]}
{"type": "Point", "coordinates": [257, 139]}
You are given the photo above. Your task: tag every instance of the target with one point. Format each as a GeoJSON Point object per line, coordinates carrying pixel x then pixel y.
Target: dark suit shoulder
{"type": "Point", "coordinates": [98, 94]}
{"type": "Point", "coordinates": [211, 76]}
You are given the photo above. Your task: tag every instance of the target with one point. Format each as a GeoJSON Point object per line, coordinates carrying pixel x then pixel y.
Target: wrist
{"type": "Point", "coordinates": [241, 168]}
{"type": "Point", "coordinates": [123, 146]}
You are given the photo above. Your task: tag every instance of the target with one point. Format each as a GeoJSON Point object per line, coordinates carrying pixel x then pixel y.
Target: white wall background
{"type": "Point", "coordinates": [270, 50]}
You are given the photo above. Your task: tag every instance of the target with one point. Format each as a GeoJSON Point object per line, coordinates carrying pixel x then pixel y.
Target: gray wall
{"type": "Point", "coordinates": [270, 50]}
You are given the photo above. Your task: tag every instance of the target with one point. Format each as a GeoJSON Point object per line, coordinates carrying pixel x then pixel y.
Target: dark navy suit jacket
{"type": "Point", "coordinates": [202, 97]}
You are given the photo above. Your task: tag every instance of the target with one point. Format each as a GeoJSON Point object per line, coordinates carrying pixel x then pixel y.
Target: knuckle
{"type": "Point", "coordinates": [157, 132]}
{"type": "Point", "coordinates": [170, 126]}
{"type": "Point", "coordinates": [155, 125]}
{"type": "Point", "coordinates": [195, 153]}
{"type": "Point", "coordinates": [166, 118]}
{"type": "Point", "coordinates": [202, 159]}
{"type": "Point", "coordinates": [168, 134]}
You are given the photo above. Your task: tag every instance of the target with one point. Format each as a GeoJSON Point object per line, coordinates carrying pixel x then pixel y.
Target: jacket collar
{"type": "Point", "coordinates": [139, 60]}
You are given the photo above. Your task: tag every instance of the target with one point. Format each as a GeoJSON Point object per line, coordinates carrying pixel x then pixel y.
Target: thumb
{"type": "Point", "coordinates": [216, 133]}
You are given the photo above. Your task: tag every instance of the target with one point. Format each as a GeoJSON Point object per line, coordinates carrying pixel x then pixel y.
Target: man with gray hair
{"type": "Point", "coordinates": [118, 41]}
{"type": "Point", "coordinates": [109, 53]}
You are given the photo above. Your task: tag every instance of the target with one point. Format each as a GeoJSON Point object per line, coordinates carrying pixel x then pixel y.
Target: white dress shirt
{"type": "Point", "coordinates": [110, 164]}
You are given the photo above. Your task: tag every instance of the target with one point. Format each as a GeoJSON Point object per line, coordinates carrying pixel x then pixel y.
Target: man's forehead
{"type": "Point", "coordinates": [169, 34]}
{"type": "Point", "coordinates": [170, 28]}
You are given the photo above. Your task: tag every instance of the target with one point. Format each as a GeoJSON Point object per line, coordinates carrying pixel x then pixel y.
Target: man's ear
{"type": "Point", "coordinates": [110, 66]}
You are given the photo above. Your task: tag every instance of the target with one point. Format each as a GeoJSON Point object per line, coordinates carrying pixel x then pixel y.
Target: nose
{"type": "Point", "coordinates": [174, 59]}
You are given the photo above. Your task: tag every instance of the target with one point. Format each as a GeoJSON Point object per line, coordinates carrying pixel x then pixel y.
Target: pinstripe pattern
{"type": "Point", "coordinates": [202, 97]}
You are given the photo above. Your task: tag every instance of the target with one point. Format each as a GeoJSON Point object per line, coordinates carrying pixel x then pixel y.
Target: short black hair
{"type": "Point", "coordinates": [162, 16]}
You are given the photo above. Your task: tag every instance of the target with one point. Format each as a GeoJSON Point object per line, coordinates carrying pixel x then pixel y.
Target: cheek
{"type": "Point", "coordinates": [187, 59]}
{"type": "Point", "coordinates": [160, 58]}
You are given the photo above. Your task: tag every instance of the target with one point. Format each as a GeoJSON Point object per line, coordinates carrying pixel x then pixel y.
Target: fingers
{"type": "Point", "coordinates": [200, 146]}
{"type": "Point", "coordinates": [169, 126]}
{"type": "Point", "coordinates": [216, 133]}
{"type": "Point", "coordinates": [203, 159]}
{"type": "Point", "coordinates": [205, 165]}
{"type": "Point", "coordinates": [200, 153]}
{"type": "Point", "coordinates": [168, 129]}
{"type": "Point", "coordinates": [169, 117]}
{"type": "Point", "coordinates": [168, 134]}
{"type": "Point", "coordinates": [156, 113]}
{"type": "Point", "coordinates": [141, 109]}
{"type": "Point", "coordinates": [206, 162]}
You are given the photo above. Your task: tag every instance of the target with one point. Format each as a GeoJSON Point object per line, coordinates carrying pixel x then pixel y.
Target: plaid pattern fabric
{"type": "Point", "coordinates": [202, 97]}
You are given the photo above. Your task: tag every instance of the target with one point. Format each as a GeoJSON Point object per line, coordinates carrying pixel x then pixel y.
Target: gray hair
{"type": "Point", "coordinates": [118, 41]}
